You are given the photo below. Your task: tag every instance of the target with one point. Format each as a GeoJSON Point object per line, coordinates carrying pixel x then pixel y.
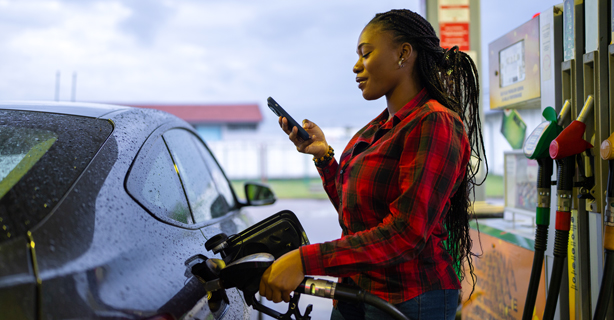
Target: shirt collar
{"type": "Point", "coordinates": [382, 119]}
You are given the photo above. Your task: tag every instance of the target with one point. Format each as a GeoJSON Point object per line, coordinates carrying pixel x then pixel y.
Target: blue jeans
{"type": "Point", "coordinates": [436, 305]}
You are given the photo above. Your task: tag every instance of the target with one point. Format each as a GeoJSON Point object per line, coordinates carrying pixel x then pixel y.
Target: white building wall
{"type": "Point", "coordinates": [259, 157]}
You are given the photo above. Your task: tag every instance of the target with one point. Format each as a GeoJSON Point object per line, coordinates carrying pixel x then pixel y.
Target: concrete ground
{"type": "Point", "coordinates": [319, 219]}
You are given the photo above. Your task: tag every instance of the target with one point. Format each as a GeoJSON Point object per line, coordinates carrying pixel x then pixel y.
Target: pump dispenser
{"type": "Point", "coordinates": [536, 147]}
{"type": "Point", "coordinates": [563, 149]}
{"type": "Point", "coordinates": [607, 281]}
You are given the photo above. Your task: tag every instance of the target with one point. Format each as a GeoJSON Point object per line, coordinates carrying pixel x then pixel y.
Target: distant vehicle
{"type": "Point", "coordinates": [101, 206]}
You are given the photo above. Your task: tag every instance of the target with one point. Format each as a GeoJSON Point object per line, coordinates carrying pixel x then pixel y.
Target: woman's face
{"type": "Point", "coordinates": [377, 69]}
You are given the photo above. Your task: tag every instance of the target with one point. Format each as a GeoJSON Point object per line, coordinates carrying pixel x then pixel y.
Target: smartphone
{"type": "Point", "coordinates": [280, 112]}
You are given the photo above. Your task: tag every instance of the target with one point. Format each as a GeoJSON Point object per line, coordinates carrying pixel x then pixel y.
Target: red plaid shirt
{"type": "Point", "coordinates": [392, 188]}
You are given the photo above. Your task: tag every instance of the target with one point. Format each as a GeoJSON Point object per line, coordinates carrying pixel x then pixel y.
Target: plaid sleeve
{"type": "Point", "coordinates": [312, 263]}
{"type": "Point", "coordinates": [428, 169]}
{"type": "Point", "coordinates": [327, 174]}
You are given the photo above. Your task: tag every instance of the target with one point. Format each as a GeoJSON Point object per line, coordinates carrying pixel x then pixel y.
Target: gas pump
{"type": "Point", "coordinates": [536, 148]}
{"type": "Point", "coordinates": [563, 149]}
{"type": "Point", "coordinates": [607, 282]}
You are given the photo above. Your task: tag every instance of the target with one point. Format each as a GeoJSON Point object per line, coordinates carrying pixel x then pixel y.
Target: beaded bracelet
{"type": "Point", "coordinates": [322, 161]}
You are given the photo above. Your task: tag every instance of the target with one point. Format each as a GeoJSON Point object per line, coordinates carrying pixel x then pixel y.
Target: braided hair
{"type": "Point", "coordinates": [450, 77]}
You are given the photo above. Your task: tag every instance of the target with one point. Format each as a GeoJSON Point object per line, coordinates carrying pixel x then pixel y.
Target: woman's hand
{"type": "Point", "coordinates": [282, 277]}
{"type": "Point", "coordinates": [315, 146]}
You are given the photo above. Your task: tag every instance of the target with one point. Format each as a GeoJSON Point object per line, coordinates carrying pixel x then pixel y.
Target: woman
{"type": "Point", "coordinates": [402, 185]}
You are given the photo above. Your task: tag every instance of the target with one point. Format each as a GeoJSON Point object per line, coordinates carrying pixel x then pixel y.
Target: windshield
{"type": "Point", "coordinates": [41, 156]}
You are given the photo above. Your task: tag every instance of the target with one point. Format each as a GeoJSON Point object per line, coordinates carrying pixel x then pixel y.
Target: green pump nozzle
{"type": "Point", "coordinates": [537, 144]}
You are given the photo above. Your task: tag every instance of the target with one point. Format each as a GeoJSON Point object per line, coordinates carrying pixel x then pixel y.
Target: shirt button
{"type": "Point", "coordinates": [341, 172]}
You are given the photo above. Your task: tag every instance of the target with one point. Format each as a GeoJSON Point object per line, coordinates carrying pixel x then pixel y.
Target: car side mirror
{"type": "Point", "coordinates": [258, 194]}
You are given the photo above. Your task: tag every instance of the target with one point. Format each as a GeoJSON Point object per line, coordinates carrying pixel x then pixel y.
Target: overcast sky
{"type": "Point", "coordinates": [204, 51]}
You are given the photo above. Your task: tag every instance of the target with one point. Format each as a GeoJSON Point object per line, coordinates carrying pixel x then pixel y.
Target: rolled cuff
{"type": "Point", "coordinates": [312, 260]}
{"type": "Point", "coordinates": [328, 171]}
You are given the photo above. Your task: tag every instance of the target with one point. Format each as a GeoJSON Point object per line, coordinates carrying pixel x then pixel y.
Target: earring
{"type": "Point", "coordinates": [401, 65]}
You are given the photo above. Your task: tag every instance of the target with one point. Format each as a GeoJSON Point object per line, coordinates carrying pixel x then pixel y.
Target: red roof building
{"type": "Point", "coordinates": [214, 122]}
{"type": "Point", "coordinates": [211, 114]}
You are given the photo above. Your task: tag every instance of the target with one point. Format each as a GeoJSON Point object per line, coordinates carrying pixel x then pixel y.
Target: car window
{"type": "Point", "coordinates": [223, 186]}
{"type": "Point", "coordinates": [204, 198]}
{"type": "Point", "coordinates": [20, 151]}
{"type": "Point", "coordinates": [154, 183]}
{"type": "Point", "coordinates": [41, 156]}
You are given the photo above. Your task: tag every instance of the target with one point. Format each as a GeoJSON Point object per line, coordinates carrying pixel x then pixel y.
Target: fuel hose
{"type": "Point", "coordinates": [537, 147]}
{"type": "Point", "coordinates": [341, 292]}
{"type": "Point", "coordinates": [541, 234]}
{"type": "Point", "coordinates": [566, 170]}
{"type": "Point", "coordinates": [607, 282]}
{"type": "Point", "coordinates": [563, 149]}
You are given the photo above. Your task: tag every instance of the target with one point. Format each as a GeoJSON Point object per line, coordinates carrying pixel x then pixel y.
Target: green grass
{"type": "Point", "coordinates": [312, 188]}
{"type": "Point", "coordinates": [288, 188]}
{"type": "Point", "coordinates": [494, 186]}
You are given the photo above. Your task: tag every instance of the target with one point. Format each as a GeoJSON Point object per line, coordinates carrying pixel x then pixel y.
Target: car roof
{"type": "Point", "coordinates": [94, 110]}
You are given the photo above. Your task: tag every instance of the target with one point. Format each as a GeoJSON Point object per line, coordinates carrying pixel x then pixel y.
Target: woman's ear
{"type": "Point", "coordinates": [407, 54]}
{"type": "Point", "coordinates": [405, 51]}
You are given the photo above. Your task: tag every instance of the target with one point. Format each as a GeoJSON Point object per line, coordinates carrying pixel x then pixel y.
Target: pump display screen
{"type": "Point", "coordinates": [512, 64]}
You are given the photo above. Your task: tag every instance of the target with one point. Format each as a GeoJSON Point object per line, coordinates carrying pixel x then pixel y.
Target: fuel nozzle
{"type": "Point", "coordinates": [607, 153]}
{"type": "Point", "coordinates": [607, 147]}
{"type": "Point", "coordinates": [562, 149]}
{"type": "Point", "coordinates": [536, 145]}
{"type": "Point", "coordinates": [607, 281]}
{"type": "Point", "coordinates": [570, 141]}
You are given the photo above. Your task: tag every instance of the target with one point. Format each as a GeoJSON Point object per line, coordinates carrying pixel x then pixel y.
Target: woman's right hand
{"type": "Point", "coordinates": [316, 145]}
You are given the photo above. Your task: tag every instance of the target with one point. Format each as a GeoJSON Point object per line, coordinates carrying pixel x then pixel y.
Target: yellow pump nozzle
{"type": "Point", "coordinates": [606, 149]}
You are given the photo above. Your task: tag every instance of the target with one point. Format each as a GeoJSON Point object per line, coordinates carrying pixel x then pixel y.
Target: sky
{"type": "Point", "coordinates": [208, 52]}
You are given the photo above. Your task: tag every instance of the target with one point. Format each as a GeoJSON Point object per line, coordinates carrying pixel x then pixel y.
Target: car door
{"type": "Point", "coordinates": [183, 188]}
{"type": "Point", "coordinates": [155, 183]}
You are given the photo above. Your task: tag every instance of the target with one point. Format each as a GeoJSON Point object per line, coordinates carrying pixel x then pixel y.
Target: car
{"type": "Point", "coordinates": [102, 206]}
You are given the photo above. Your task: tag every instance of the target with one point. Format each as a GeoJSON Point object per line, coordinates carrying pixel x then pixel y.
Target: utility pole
{"type": "Point", "coordinates": [57, 85]}
{"type": "Point", "coordinates": [73, 95]}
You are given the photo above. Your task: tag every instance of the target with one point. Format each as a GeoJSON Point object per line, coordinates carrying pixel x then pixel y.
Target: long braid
{"type": "Point", "coordinates": [451, 78]}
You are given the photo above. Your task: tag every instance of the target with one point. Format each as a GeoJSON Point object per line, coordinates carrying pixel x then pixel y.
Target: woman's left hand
{"type": "Point", "coordinates": [282, 277]}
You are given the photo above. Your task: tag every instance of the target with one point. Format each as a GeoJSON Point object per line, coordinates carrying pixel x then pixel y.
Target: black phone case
{"type": "Point", "coordinates": [280, 112]}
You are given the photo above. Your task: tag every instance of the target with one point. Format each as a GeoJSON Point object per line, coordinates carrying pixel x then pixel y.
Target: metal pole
{"type": "Point", "coordinates": [57, 85]}
{"type": "Point", "coordinates": [74, 87]}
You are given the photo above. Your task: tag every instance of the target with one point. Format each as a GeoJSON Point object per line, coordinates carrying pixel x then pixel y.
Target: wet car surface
{"type": "Point", "coordinates": [100, 207]}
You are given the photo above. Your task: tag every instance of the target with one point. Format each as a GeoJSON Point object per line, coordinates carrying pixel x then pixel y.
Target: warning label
{"type": "Point", "coordinates": [454, 34]}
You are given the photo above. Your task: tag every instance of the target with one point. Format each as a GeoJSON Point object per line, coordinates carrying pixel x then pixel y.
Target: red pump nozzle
{"type": "Point", "coordinates": [570, 141]}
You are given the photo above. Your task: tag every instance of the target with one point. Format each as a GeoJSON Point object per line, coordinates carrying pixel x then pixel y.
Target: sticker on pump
{"type": "Point", "coordinates": [531, 143]}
